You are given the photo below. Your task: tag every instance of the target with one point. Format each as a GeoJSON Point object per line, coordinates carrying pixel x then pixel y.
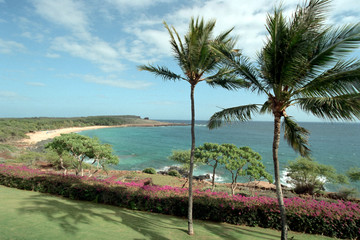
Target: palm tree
{"type": "Point", "coordinates": [197, 59]}
{"type": "Point", "coordinates": [302, 64]}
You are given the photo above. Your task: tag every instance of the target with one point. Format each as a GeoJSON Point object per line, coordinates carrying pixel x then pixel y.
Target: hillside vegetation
{"type": "Point", "coordinates": [16, 128]}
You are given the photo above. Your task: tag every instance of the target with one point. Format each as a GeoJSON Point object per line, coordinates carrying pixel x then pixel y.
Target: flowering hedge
{"type": "Point", "coordinates": [338, 219]}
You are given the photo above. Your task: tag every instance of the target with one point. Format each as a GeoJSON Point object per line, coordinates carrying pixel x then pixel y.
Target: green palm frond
{"type": "Point", "coordinates": [343, 78]}
{"type": "Point", "coordinates": [344, 107]}
{"type": "Point", "coordinates": [200, 57]}
{"type": "Point", "coordinates": [241, 113]}
{"type": "Point", "coordinates": [284, 59]}
{"type": "Point", "coordinates": [226, 78]}
{"type": "Point", "coordinates": [335, 43]}
{"type": "Point", "coordinates": [272, 55]}
{"type": "Point", "coordinates": [296, 136]}
{"type": "Point", "coordinates": [176, 45]}
{"type": "Point", "coordinates": [162, 72]}
{"type": "Point", "coordinates": [266, 108]}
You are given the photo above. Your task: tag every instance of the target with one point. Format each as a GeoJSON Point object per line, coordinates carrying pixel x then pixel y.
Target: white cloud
{"type": "Point", "coordinates": [152, 40]}
{"type": "Point", "coordinates": [52, 55]}
{"type": "Point", "coordinates": [122, 5]}
{"type": "Point", "coordinates": [35, 84]}
{"type": "Point", "coordinates": [73, 15]}
{"type": "Point", "coordinates": [33, 36]}
{"type": "Point", "coordinates": [10, 46]}
{"type": "Point", "coordinates": [113, 81]}
{"type": "Point", "coordinates": [96, 51]}
{"type": "Point", "coordinates": [66, 13]}
{"type": "Point", "coordinates": [149, 45]}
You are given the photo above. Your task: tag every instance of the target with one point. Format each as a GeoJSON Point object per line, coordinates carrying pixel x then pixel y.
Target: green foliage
{"type": "Point", "coordinates": [174, 173]}
{"type": "Point", "coordinates": [354, 174]}
{"type": "Point", "coordinates": [346, 193]}
{"type": "Point", "coordinates": [212, 155]}
{"type": "Point", "coordinates": [243, 161]}
{"type": "Point", "coordinates": [183, 157]}
{"type": "Point", "coordinates": [149, 170]}
{"type": "Point", "coordinates": [309, 176]}
{"type": "Point", "coordinates": [7, 148]}
{"type": "Point", "coordinates": [82, 148]}
{"type": "Point", "coordinates": [30, 158]}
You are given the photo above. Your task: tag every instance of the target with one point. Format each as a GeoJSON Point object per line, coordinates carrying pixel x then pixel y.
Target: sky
{"type": "Point", "coordinates": [67, 58]}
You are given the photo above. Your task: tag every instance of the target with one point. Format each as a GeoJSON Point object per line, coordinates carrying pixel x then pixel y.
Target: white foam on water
{"type": "Point", "coordinates": [284, 178]}
{"type": "Point", "coordinates": [218, 178]}
{"type": "Point", "coordinates": [164, 169]}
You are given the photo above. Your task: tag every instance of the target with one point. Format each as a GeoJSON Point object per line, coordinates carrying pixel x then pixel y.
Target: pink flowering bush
{"type": "Point", "coordinates": [336, 219]}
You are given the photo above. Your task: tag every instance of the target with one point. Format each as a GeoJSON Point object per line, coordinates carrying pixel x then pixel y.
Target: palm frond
{"type": "Point", "coordinates": [296, 136]}
{"type": "Point", "coordinates": [266, 108]}
{"type": "Point", "coordinates": [334, 44]}
{"type": "Point", "coordinates": [241, 113]}
{"type": "Point", "coordinates": [344, 107]}
{"type": "Point", "coordinates": [176, 45]}
{"type": "Point", "coordinates": [226, 78]}
{"type": "Point", "coordinates": [160, 71]}
{"type": "Point", "coordinates": [272, 56]}
{"type": "Point", "coordinates": [343, 78]}
{"type": "Point", "coordinates": [284, 59]}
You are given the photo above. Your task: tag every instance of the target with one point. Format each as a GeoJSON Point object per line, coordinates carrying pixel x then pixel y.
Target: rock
{"type": "Point", "coordinates": [202, 177]}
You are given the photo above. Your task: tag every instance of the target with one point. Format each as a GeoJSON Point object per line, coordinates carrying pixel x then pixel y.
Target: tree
{"type": "Point", "coordinates": [102, 155]}
{"type": "Point", "coordinates": [81, 148]}
{"type": "Point", "coordinates": [309, 176]}
{"type": "Point", "coordinates": [183, 157]}
{"type": "Point", "coordinates": [212, 155]}
{"type": "Point", "coordinates": [354, 174]}
{"type": "Point", "coordinates": [199, 62]}
{"type": "Point", "coordinates": [241, 161]}
{"type": "Point", "coordinates": [302, 64]}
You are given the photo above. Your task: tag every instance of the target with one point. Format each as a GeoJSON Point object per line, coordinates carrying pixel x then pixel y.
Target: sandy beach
{"type": "Point", "coordinates": [35, 137]}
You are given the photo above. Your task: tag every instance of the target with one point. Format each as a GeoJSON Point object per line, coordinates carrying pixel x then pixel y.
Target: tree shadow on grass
{"type": "Point", "coordinates": [225, 231]}
{"type": "Point", "coordinates": [68, 214]}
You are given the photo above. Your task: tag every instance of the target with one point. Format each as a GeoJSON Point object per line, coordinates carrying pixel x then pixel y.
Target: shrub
{"type": "Point", "coordinates": [346, 193]}
{"type": "Point", "coordinates": [174, 173]}
{"type": "Point", "coordinates": [149, 170]}
{"type": "Point", "coordinates": [309, 176]}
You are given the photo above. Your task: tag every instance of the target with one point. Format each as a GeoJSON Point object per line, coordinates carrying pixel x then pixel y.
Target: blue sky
{"type": "Point", "coordinates": [64, 58]}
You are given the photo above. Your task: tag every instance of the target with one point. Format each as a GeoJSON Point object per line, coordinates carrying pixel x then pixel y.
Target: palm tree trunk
{"type": "Point", "coordinates": [190, 207]}
{"type": "Point", "coordinates": [279, 194]}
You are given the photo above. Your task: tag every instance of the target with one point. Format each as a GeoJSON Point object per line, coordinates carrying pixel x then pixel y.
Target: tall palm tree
{"type": "Point", "coordinates": [199, 62]}
{"type": "Point", "coordinates": [302, 64]}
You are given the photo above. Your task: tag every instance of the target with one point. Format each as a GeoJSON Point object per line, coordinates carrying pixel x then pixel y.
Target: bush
{"type": "Point", "coordinates": [346, 193]}
{"type": "Point", "coordinates": [174, 173]}
{"type": "Point", "coordinates": [149, 170]}
{"type": "Point", "coordinates": [309, 176]}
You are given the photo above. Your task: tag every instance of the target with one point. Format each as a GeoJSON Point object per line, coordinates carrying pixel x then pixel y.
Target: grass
{"type": "Point", "coordinates": [32, 215]}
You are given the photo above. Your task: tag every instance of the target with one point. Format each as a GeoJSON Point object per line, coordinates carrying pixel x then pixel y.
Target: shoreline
{"type": "Point", "coordinates": [38, 136]}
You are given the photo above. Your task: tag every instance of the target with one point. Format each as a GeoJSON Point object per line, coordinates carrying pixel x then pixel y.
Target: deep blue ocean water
{"type": "Point", "coordinates": [336, 144]}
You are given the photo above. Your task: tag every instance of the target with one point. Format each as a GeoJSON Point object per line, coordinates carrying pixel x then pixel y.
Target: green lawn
{"type": "Point", "coordinates": [32, 215]}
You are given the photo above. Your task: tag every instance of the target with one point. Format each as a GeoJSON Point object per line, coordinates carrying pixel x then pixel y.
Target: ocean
{"type": "Point", "coordinates": [335, 144]}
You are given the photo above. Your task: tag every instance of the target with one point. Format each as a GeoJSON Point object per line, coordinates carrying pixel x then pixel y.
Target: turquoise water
{"type": "Point", "coordinates": [336, 144]}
